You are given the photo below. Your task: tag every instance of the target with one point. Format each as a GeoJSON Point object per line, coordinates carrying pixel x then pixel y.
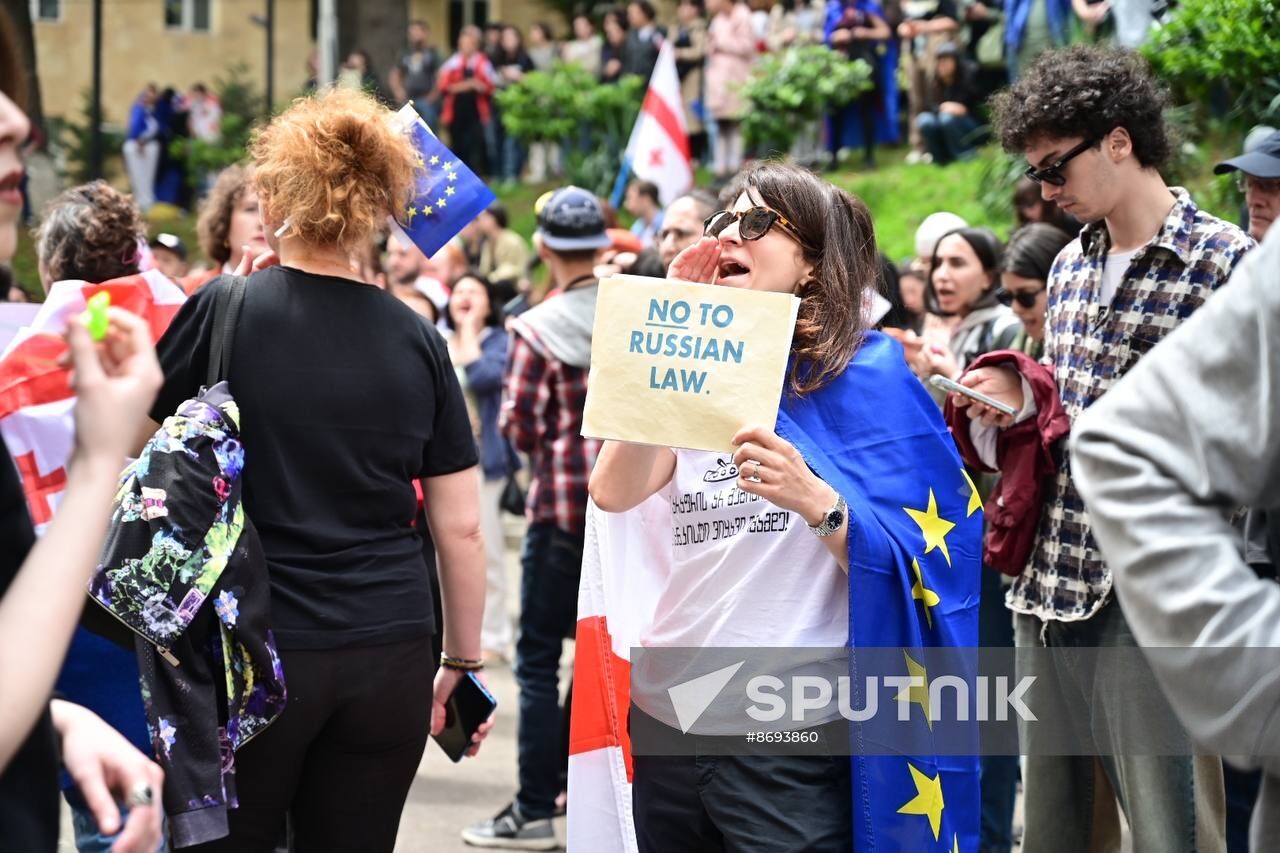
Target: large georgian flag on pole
{"type": "Point", "coordinates": [658, 150]}
{"type": "Point", "coordinates": [36, 399]}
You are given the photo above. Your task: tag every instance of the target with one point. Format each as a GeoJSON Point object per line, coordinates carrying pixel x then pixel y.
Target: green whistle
{"type": "Point", "coordinates": [95, 315]}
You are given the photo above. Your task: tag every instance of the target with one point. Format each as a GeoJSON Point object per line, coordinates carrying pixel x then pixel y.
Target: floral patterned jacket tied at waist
{"type": "Point", "coordinates": [182, 568]}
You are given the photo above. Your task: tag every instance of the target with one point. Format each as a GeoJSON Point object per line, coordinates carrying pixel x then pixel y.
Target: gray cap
{"type": "Point", "coordinates": [1260, 161]}
{"type": "Point", "coordinates": [571, 219]}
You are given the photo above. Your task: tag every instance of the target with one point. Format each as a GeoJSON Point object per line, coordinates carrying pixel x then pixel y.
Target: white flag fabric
{"type": "Point", "coordinates": [625, 561]}
{"type": "Point", "coordinates": [36, 400]}
{"type": "Point", "coordinates": [658, 150]}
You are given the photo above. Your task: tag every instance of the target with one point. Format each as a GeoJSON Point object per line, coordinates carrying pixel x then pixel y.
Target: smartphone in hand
{"type": "Point", "coordinates": [470, 705]}
{"type": "Point", "coordinates": [938, 381]}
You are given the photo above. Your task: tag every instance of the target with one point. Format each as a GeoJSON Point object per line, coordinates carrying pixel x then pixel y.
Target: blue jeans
{"type": "Point", "coordinates": [512, 158]}
{"type": "Point", "coordinates": [88, 838]}
{"type": "Point", "coordinates": [1160, 794]}
{"type": "Point", "coordinates": [947, 137]}
{"type": "Point", "coordinates": [550, 565]}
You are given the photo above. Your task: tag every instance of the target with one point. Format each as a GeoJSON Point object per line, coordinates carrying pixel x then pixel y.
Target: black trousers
{"type": "Point", "coordinates": [341, 758]}
{"type": "Point", "coordinates": [759, 803]}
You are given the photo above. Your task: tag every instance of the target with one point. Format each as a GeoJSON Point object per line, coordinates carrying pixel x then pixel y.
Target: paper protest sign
{"type": "Point", "coordinates": [685, 365]}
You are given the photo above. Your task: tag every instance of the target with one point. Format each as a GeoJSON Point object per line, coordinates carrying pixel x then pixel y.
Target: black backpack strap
{"type": "Point", "coordinates": [226, 311]}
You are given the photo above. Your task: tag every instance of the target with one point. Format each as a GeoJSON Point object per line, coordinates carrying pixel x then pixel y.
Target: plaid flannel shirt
{"type": "Point", "coordinates": [1088, 347]}
{"type": "Point", "coordinates": [542, 415]}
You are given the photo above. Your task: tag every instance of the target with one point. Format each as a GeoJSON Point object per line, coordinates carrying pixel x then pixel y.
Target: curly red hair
{"type": "Point", "coordinates": [334, 164]}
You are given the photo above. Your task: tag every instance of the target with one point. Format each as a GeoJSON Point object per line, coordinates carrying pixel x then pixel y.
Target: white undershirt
{"type": "Point", "coordinates": [1113, 270]}
{"type": "Point", "coordinates": [744, 572]}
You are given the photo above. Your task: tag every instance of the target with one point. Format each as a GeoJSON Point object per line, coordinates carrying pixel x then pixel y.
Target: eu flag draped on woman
{"type": "Point", "coordinates": [915, 547]}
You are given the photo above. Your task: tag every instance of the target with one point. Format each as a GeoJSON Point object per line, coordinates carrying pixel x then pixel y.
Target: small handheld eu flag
{"type": "Point", "coordinates": [447, 194]}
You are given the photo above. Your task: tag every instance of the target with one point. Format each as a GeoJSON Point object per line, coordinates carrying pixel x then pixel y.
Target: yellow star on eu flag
{"type": "Point", "coordinates": [435, 160]}
{"type": "Point", "coordinates": [449, 190]}
{"type": "Point", "coordinates": [919, 592]}
{"type": "Point", "coordinates": [975, 500]}
{"type": "Point", "coordinates": [442, 202]}
{"type": "Point", "coordinates": [955, 843]}
{"type": "Point", "coordinates": [917, 694]}
{"type": "Point", "coordinates": [934, 527]}
{"type": "Point", "coordinates": [427, 210]}
{"type": "Point", "coordinates": [928, 799]}
{"type": "Point", "coordinates": [421, 163]}
{"type": "Point", "coordinates": [409, 214]}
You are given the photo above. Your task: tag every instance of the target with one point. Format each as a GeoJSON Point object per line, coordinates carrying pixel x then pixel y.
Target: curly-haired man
{"type": "Point", "coordinates": [1090, 123]}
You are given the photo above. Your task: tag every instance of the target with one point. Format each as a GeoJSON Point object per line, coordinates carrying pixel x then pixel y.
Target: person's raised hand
{"type": "Point", "coordinates": [251, 261]}
{"type": "Point", "coordinates": [698, 263]}
{"type": "Point", "coordinates": [934, 360]}
{"type": "Point", "coordinates": [115, 382]}
{"type": "Point", "coordinates": [1000, 383]}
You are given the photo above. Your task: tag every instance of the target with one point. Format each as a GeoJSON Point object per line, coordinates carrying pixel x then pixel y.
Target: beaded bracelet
{"type": "Point", "coordinates": [464, 664]}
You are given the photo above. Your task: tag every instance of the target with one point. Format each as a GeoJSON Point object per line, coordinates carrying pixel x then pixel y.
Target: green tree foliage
{"type": "Point", "coordinates": [1210, 46]}
{"type": "Point", "coordinates": [72, 141]}
{"type": "Point", "coordinates": [797, 86]}
{"type": "Point", "coordinates": [566, 104]}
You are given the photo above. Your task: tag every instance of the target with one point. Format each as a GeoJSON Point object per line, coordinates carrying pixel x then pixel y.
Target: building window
{"type": "Point", "coordinates": [190, 15]}
{"type": "Point", "coordinates": [46, 10]}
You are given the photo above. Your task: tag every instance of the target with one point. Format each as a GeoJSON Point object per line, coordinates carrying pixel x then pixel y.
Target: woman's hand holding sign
{"type": "Point", "coordinates": [698, 263]}
{"type": "Point", "coordinates": [771, 468]}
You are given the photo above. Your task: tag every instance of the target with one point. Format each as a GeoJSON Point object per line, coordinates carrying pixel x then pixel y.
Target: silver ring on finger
{"type": "Point", "coordinates": [140, 795]}
{"type": "Point", "coordinates": [754, 477]}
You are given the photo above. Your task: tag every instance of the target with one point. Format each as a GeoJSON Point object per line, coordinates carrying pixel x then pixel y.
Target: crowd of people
{"type": "Point", "coordinates": [953, 53]}
{"type": "Point", "coordinates": [412, 401]}
{"type": "Point", "coordinates": [157, 119]}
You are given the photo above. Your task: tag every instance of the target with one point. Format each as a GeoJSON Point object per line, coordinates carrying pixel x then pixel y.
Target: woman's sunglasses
{"type": "Point", "coordinates": [1052, 174]}
{"type": "Point", "coordinates": [1025, 298]}
{"type": "Point", "coordinates": [752, 224]}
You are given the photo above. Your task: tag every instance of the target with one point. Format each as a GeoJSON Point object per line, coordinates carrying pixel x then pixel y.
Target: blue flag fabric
{"type": "Point", "coordinates": [915, 558]}
{"type": "Point", "coordinates": [447, 194]}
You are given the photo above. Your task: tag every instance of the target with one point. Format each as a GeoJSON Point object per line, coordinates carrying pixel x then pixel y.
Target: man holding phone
{"type": "Point", "coordinates": [1089, 122]}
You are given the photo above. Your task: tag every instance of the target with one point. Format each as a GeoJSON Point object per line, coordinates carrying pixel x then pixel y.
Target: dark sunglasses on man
{"type": "Point", "coordinates": [753, 223]}
{"type": "Point", "coordinates": [1052, 174]}
{"type": "Point", "coordinates": [1025, 298]}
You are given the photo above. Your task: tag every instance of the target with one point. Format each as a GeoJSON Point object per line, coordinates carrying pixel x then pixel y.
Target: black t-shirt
{"type": "Point", "coordinates": [29, 785]}
{"type": "Point", "coordinates": [345, 399]}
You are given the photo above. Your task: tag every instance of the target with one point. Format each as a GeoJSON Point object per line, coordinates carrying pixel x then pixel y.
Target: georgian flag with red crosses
{"type": "Point", "coordinates": [658, 150]}
{"type": "Point", "coordinates": [36, 399]}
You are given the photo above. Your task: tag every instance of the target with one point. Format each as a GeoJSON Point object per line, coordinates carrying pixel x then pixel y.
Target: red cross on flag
{"type": "Point", "coordinates": [659, 147]}
{"type": "Point", "coordinates": [36, 400]}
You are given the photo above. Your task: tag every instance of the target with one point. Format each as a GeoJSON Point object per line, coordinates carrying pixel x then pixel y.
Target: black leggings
{"type": "Point", "coordinates": [341, 758]}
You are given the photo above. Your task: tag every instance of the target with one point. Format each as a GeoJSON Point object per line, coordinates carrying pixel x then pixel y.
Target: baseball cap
{"type": "Point", "coordinates": [172, 242]}
{"type": "Point", "coordinates": [1262, 161]}
{"type": "Point", "coordinates": [570, 219]}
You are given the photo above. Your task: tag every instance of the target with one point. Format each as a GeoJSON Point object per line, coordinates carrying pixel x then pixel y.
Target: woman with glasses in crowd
{"type": "Point", "coordinates": [786, 586]}
{"type": "Point", "coordinates": [1024, 275]}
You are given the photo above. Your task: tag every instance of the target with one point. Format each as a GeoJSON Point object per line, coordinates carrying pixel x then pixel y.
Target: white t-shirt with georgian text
{"type": "Point", "coordinates": [744, 571]}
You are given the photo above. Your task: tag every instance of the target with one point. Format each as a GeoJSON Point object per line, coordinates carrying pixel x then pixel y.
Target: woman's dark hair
{"type": "Point", "coordinates": [496, 301]}
{"type": "Point", "coordinates": [618, 14]}
{"type": "Point", "coordinates": [1032, 248]}
{"type": "Point", "coordinates": [837, 236]}
{"type": "Point", "coordinates": [898, 317]}
{"type": "Point", "coordinates": [91, 233]}
{"type": "Point", "coordinates": [544, 28]}
{"type": "Point", "coordinates": [646, 7]}
{"type": "Point", "coordinates": [13, 75]}
{"type": "Point", "coordinates": [986, 245]}
{"type": "Point", "coordinates": [1085, 91]}
{"type": "Point", "coordinates": [1027, 194]}
{"type": "Point", "coordinates": [499, 214]}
